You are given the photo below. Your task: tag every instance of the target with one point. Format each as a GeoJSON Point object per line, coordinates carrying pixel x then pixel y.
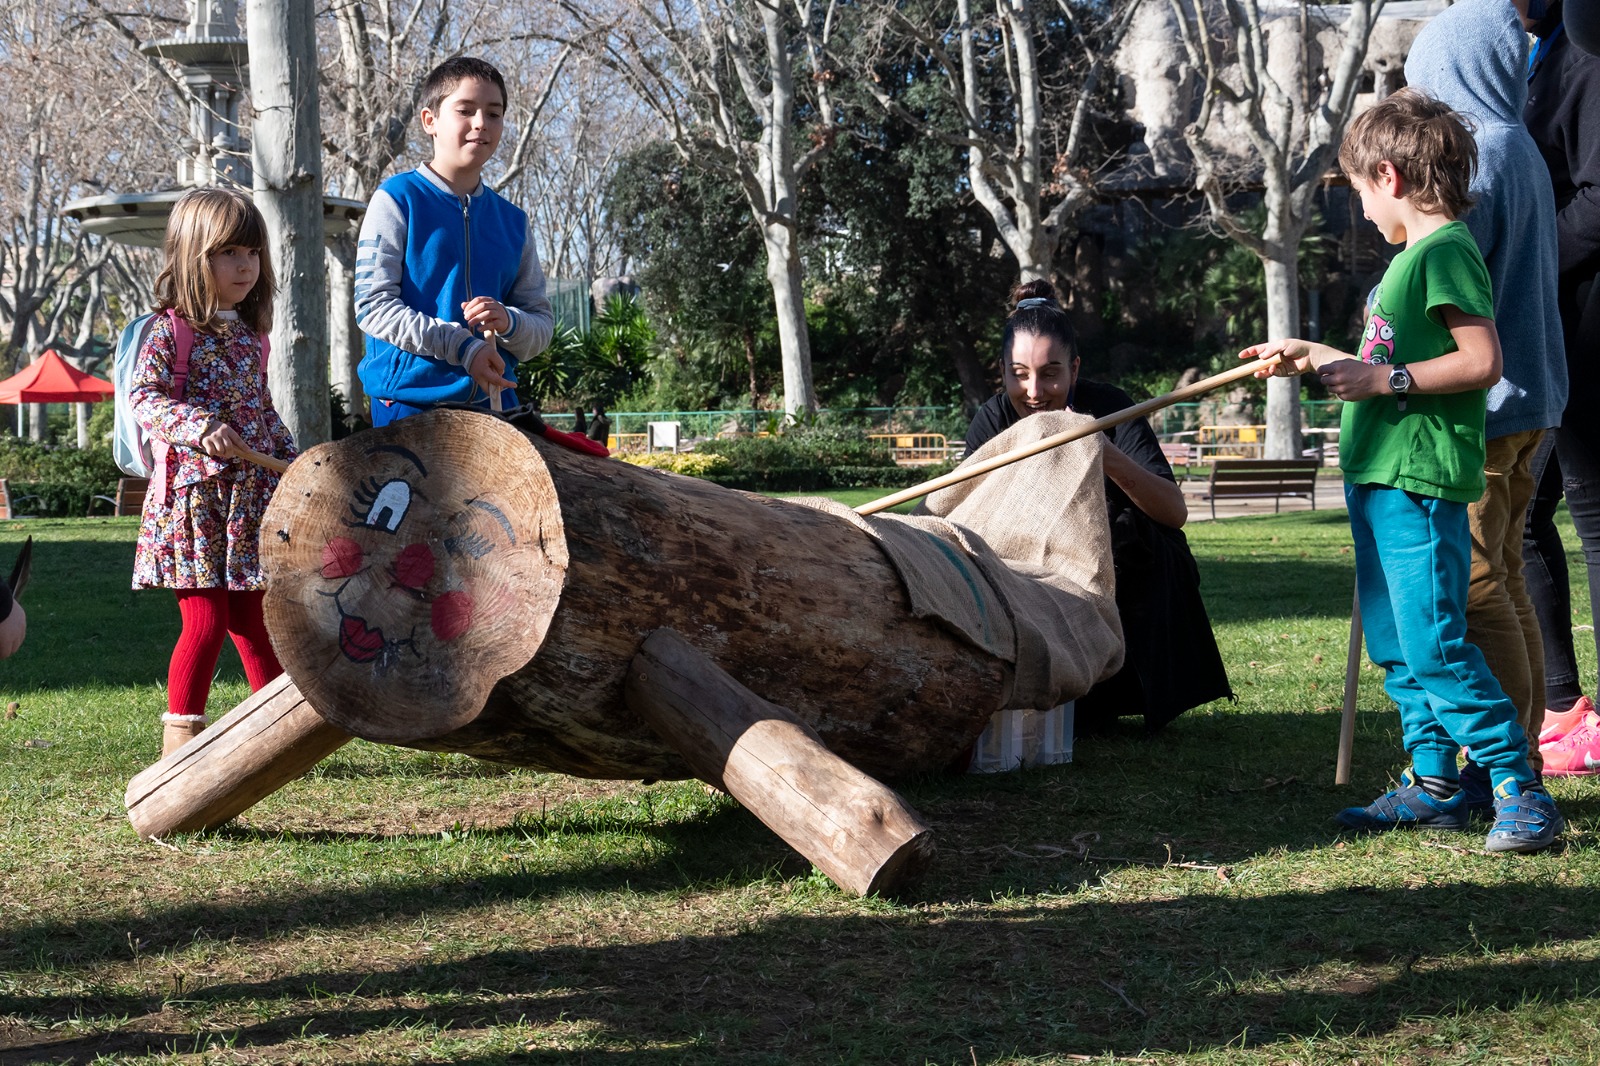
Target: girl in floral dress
{"type": "Point", "coordinates": [203, 512]}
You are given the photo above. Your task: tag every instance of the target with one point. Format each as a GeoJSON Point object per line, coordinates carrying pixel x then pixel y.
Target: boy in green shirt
{"type": "Point", "coordinates": [1412, 448]}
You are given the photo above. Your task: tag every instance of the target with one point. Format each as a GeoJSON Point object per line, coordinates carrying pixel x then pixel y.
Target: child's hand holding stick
{"type": "Point", "coordinates": [1341, 374]}
{"type": "Point", "coordinates": [488, 370]}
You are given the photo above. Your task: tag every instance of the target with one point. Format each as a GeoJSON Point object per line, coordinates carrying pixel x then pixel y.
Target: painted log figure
{"type": "Point", "coordinates": [456, 582]}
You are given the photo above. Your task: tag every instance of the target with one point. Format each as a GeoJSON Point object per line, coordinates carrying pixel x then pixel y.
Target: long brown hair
{"type": "Point", "coordinates": [205, 221]}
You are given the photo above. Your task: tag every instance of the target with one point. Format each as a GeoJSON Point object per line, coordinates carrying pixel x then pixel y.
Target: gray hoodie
{"type": "Point", "coordinates": [1474, 57]}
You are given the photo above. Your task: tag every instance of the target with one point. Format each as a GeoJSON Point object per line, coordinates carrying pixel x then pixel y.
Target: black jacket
{"type": "Point", "coordinates": [1563, 115]}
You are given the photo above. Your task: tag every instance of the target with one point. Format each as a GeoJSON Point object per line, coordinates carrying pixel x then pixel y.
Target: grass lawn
{"type": "Point", "coordinates": [1177, 899]}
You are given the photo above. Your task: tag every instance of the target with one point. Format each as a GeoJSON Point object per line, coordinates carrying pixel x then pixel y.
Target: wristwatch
{"type": "Point", "coordinates": [1400, 383]}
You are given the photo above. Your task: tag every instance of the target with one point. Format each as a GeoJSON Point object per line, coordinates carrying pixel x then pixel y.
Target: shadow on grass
{"type": "Point", "coordinates": [1076, 973]}
{"type": "Point", "coordinates": [1093, 978]}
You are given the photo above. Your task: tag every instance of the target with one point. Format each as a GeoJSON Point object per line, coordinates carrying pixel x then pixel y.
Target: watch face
{"type": "Point", "coordinates": [1399, 379]}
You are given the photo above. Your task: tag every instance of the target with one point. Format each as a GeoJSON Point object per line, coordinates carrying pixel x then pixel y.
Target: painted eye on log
{"type": "Point", "coordinates": [385, 505]}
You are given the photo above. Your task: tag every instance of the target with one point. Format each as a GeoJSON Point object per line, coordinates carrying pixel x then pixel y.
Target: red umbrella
{"type": "Point", "coordinates": [53, 380]}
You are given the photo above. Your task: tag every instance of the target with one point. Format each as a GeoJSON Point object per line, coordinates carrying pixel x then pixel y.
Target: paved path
{"type": "Point", "coordinates": [1330, 497]}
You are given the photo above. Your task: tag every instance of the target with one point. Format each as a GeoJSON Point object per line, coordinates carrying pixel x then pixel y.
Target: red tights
{"type": "Point", "coordinates": [208, 616]}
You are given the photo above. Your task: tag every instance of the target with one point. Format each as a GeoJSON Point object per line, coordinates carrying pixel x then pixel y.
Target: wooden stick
{"type": "Point", "coordinates": [260, 459]}
{"type": "Point", "coordinates": [1116, 418]}
{"type": "Point", "coordinates": [1352, 682]}
{"type": "Point", "coordinates": [496, 403]}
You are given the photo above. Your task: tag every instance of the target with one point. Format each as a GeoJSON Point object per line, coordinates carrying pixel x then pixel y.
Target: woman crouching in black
{"type": "Point", "coordinates": [1172, 662]}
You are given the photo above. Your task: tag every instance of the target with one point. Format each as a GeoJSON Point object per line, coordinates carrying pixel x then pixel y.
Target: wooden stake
{"type": "Point", "coordinates": [261, 745]}
{"type": "Point", "coordinates": [1352, 682]}
{"type": "Point", "coordinates": [496, 403]}
{"type": "Point", "coordinates": [1116, 418]}
{"type": "Point", "coordinates": [854, 829]}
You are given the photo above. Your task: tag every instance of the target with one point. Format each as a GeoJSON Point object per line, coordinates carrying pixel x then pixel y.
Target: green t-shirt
{"type": "Point", "coordinates": [1435, 446]}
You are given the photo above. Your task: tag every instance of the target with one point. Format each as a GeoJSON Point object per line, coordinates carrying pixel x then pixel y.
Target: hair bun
{"type": "Point", "coordinates": [1038, 289]}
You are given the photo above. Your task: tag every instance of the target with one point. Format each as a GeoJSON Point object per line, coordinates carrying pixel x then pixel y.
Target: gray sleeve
{"type": "Point", "coordinates": [532, 320]}
{"type": "Point", "coordinates": [380, 312]}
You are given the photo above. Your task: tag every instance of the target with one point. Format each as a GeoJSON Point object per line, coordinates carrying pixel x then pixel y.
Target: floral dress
{"type": "Point", "coordinates": [202, 532]}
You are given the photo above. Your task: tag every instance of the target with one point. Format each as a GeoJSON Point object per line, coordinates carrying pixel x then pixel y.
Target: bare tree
{"type": "Point", "coordinates": [1283, 79]}
{"type": "Point", "coordinates": [67, 135]}
{"type": "Point", "coordinates": [1021, 115]}
{"type": "Point", "coordinates": [731, 81]}
{"type": "Point", "coordinates": [566, 152]}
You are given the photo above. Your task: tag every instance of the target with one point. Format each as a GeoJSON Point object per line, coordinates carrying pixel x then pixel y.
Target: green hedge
{"type": "Point", "coordinates": [64, 478]}
{"type": "Point", "coordinates": [798, 447]}
{"type": "Point", "coordinates": [819, 479]}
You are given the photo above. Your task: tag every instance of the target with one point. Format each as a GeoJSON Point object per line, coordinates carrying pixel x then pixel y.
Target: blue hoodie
{"type": "Point", "coordinates": [1474, 57]}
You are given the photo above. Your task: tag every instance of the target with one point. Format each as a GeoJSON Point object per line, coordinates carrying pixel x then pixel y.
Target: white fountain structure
{"type": "Point", "coordinates": [213, 57]}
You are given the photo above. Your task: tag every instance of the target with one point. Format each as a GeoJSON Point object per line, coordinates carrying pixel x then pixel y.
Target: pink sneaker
{"type": "Point", "coordinates": [1576, 754]}
{"type": "Point", "coordinates": [1558, 724]}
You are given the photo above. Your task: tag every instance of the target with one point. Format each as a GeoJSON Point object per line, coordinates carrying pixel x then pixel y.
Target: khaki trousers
{"type": "Point", "coordinates": [1500, 618]}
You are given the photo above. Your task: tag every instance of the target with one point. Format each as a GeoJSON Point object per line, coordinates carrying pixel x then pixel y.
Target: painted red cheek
{"type": "Point", "coordinates": [341, 557]}
{"type": "Point", "coordinates": [451, 616]}
{"type": "Point", "coordinates": [413, 567]}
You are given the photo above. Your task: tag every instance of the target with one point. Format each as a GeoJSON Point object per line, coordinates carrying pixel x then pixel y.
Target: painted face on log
{"type": "Point", "coordinates": [404, 571]}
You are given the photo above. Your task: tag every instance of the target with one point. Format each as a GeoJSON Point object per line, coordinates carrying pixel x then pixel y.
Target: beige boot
{"type": "Point", "coordinates": [178, 729]}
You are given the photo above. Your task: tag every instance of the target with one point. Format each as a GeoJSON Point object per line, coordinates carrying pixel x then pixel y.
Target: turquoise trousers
{"type": "Point", "coordinates": [1413, 564]}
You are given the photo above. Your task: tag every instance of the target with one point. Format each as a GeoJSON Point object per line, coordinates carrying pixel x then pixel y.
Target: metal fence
{"type": "Point", "coordinates": [696, 425]}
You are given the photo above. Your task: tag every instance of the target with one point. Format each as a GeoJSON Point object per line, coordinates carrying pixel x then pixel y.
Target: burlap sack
{"type": "Point", "coordinates": [1018, 561]}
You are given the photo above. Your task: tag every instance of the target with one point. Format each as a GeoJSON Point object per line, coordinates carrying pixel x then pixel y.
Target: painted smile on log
{"type": "Point", "coordinates": [395, 576]}
{"type": "Point", "coordinates": [413, 566]}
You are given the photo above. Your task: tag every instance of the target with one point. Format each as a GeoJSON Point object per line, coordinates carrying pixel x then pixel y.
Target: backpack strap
{"type": "Point", "coordinates": [183, 342]}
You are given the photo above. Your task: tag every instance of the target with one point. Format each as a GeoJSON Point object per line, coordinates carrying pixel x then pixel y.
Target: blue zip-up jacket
{"type": "Point", "coordinates": [423, 252]}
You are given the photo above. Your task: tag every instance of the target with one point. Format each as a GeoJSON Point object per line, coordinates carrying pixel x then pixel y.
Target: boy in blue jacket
{"type": "Point", "coordinates": [443, 259]}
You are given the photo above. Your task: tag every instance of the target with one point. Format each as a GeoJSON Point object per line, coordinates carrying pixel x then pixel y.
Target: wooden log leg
{"type": "Point", "coordinates": [854, 829]}
{"type": "Point", "coordinates": [255, 749]}
{"type": "Point", "coordinates": [1352, 682]}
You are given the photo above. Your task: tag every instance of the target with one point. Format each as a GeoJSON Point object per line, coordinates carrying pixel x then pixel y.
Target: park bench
{"type": "Point", "coordinates": [129, 499]}
{"type": "Point", "coordinates": [9, 504]}
{"type": "Point", "coordinates": [1264, 479]}
{"type": "Point", "coordinates": [1181, 454]}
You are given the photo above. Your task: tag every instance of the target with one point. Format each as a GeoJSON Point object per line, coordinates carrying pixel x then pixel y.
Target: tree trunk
{"type": "Point", "coordinates": [749, 337]}
{"type": "Point", "coordinates": [288, 189]}
{"type": "Point", "coordinates": [1283, 394]}
{"type": "Point", "coordinates": [452, 584]}
{"type": "Point", "coordinates": [794, 338]}
{"type": "Point", "coordinates": [82, 411]}
{"type": "Point", "coordinates": [975, 385]}
{"type": "Point", "coordinates": [344, 336]}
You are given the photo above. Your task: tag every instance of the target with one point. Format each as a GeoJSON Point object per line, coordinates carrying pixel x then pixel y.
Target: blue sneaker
{"type": "Point", "coordinates": [1408, 805]}
{"type": "Point", "coordinates": [1477, 790]}
{"type": "Point", "coordinates": [1524, 821]}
